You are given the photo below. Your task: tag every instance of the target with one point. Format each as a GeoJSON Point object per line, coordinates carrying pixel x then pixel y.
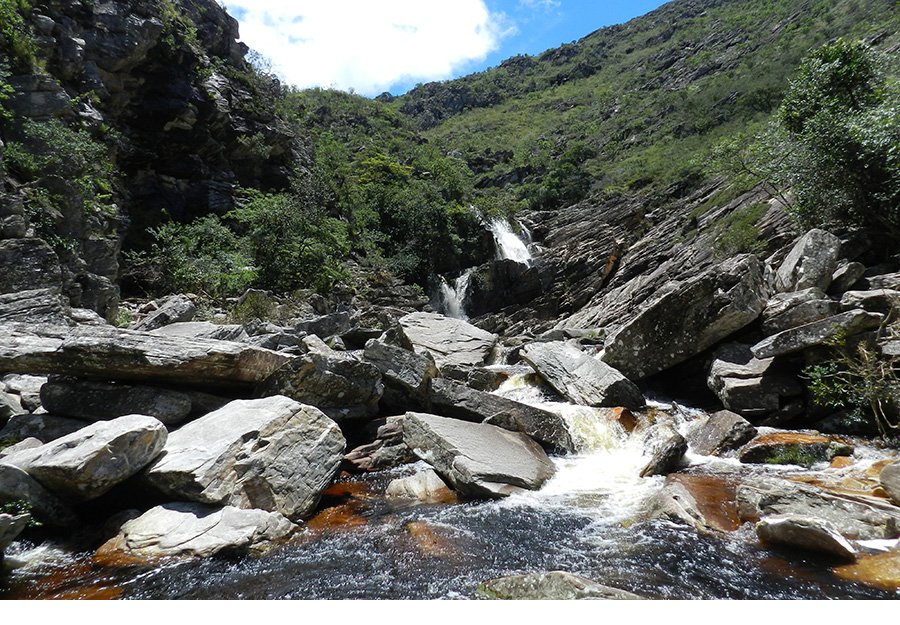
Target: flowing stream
{"type": "Point", "coordinates": [510, 245]}
{"type": "Point", "coordinates": [590, 519]}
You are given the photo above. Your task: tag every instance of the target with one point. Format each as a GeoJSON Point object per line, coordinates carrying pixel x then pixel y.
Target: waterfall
{"type": "Point", "coordinates": [452, 299]}
{"type": "Point", "coordinates": [510, 245]}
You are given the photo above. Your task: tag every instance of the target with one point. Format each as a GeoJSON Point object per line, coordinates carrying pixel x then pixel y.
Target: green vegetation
{"type": "Point", "coordinates": [16, 40]}
{"type": "Point", "coordinates": [737, 232]}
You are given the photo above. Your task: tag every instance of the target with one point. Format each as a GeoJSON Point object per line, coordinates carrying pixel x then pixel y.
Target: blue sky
{"type": "Point", "coordinates": [392, 45]}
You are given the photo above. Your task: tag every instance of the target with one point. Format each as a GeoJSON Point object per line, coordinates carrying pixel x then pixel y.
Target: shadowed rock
{"type": "Point", "coordinates": [809, 533]}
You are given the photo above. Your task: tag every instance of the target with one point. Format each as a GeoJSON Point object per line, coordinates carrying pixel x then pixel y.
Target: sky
{"type": "Point", "coordinates": [373, 46]}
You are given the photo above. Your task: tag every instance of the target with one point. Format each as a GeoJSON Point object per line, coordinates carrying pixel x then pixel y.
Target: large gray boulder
{"type": "Point", "coordinates": [456, 400]}
{"type": "Point", "coordinates": [98, 401]}
{"type": "Point", "coordinates": [108, 353]}
{"type": "Point", "coordinates": [580, 378]}
{"type": "Point", "coordinates": [802, 532]}
{"type": "Point", "coordinates": [816, 333]}
{"type": "Point", "coordinates": [449, 341]}
{"type": "Point", "coordinates": [195, 530]}
{"type": "Point", "coordinates": [173, 309]}
{"type": "Point", "coordinates": [688, 318]}
{"type": "Point", "coordinates": [476, 459]}
{"type": "Point", "coordinates": [18, 486]}
{"type": "Point", "coordinates": [403, 370]}
{"type": "Point", "coordinates": [801, 314]}
{"type": "Point", "coordinates": [890, 481]}
{"type": "Point", "coordinates": [722, 431]}
{"type": "Point", "coordinates": [88, 463]}
{"type": "Point", "coordinates": [551, 586]}
{"type": "Point", "coordinates": [810, 263]}
{"type": "Point", "coordinates": [274, 454]}
{"type": "Point", "coordinates": [749, 386]}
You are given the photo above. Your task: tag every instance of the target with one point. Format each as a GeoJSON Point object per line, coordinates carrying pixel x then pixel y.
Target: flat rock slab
{"type": "Point", "coordinates": [794, 448]}
{"type": "Point", "coordinates": [274, 454]}
{"type": "Point", "coordinates": [108, 353]}
{"type": "Point", "coordinates": [194, 530]}
{"type": "Point", "coordinates": [554, 585]}
{"type": "Point", "coordinates": [449, 341]}
{"type": "Point", "coordinates": [580, 378]}
{"type": "Point", "coordinates": [88, 463]}
{"type": "Point", "coordinates": [809, 533]}
{"type": "Point", "coordinates": [476, 459]}
{"type": "Point", "coordinates": [203, 330]}
{"type": "Point", "coordinates": [722, 431]}
{"type": "Point", "coordinates": [98, 401]}
{"type": "Point", "coordinates": [890, 481]}
{"type": "Point", "coordinates": [816, 333]}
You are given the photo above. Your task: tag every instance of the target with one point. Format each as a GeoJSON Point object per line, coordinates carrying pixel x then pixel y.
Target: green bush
{"type": "Point", "coordinates": [16, 39]}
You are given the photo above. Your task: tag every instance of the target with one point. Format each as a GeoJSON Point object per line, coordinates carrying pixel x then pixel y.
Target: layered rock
{"type": "Point", "coordinates": [273, 454]}
{"type": "Point", "coordinates": [97, 401]}
{"type": "Point", "coordinates": [405, 371]}
{"type": "Point", "coordinates": [174, 309]}
{"type": "Point", "coordinates": [816, 333]}
{"type": "Point", "coordinates": [449, 341]}
{"type": "Point", "coordinates": [749, 386]}
{"type": "Point", "coordinates": [203, 330]}
{"type": "Point", "coordinates": [810, 263]}
{"type": "Point", "coordinates": [385, 451]}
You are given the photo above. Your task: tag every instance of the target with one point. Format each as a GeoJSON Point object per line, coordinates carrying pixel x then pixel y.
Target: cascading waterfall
{"type": "Point", "coordinates": [452, 299]}
{"type": "Point", "coordinates": [509, 245]}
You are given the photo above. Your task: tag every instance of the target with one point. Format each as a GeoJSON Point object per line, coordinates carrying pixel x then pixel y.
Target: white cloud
{"type": "Point", "coordinates": [546, 5]}
{"type": "Point", "coordinates": [367, 45]}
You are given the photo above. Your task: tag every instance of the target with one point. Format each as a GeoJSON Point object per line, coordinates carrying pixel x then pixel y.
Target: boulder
{"type": "Point", "coordinates": [173, 309]}
{"type": "Point", "coordinates": [749, 386]}
{"type": "Point", "coordinates": [403, 370]}
{"type": "Point", "coordinates": [890, 481]}
{"type": "Point", "coordinates": [449, 341]}
{"type": "Point", "coordinates": [456, 400]}
{"type": "Point", "coordinates": [810, 263]}
{"type": "Point", "coordinates": [99, 401]}
{"type": "Point", "coordinates": [882, 301]}
{"type": "Point", "coordinates": [554, 585]}
{"type": "Point", "coordinates": [666, 447]}
{"type": "Point", "coordinates": [845, 276]}
{"type": "Point", "coordinates": [889, 281]}
{"type": "Point", "coordinates": [722, 431]}
{"type": "Point", "coordinates": [35, 306]}
{"type": "Point", "coordinates": [338, 384]}
{"type": "Point", "coordinates": [195, 530]}
{"type": "Point", "coordinates": [476, 459]}
{"type": "Point", "coordinates": [688, 318]}
{"type": "Point", "coordinates": [855, 517]}
{"type": "Point", "coordinates": [43, 427]}
{"type": "Point", "coordinates": [425, 486]}
{"type": "Point", "coordinates": [28, 443]}
{"type": "Point", "coordinates": [18, 486]}
{"type": "Point", "coordinates": [817, 333]}
{"type": "Point", "coordinates": [794, 448]}
{"type": "Point", "coordinates": [203, 330]}
{"type": "Point", "coordinates": [386, 451]}
{"type": "Point", "coordinates": [580, 378]}
{"type": "Point", "coordinates": [325, 326]}
{"type": "Point", "coordinates": [801, 314]}
{"type": "Point", "coordinates": [676, 504]}
{"type": "Point", "coordinates": [780, 303]}
{"type": "Point", "coordinates": [808, 533]}
{"type": "Point", "coordinates": [107, 353]}
{"type": "Point", "coordinates": [88, 463]}
{"type": "Point", "coordinates": [11, 525]}
{"type": "Point", "coordinates": [274, 454]}
{"type": "Point", "coordinates": [10, 405]}
{"type": "Point", "coordinates": [27, 387]}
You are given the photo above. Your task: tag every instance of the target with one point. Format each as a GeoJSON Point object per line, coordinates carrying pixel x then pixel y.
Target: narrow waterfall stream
{"type": "Point", "coordinates": [510, 246]}
{"type": "Point", "coordinates": [451, 300]}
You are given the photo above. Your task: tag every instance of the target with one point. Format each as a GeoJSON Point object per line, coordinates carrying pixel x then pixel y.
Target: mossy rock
{"type": "Point", "coordinates": [795, 448]}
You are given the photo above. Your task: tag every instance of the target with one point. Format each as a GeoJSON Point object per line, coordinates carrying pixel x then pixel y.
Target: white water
{"type": "Point", "coordinates": [452, 299]}
{"type": "Point", "coordinates": [509, 245]}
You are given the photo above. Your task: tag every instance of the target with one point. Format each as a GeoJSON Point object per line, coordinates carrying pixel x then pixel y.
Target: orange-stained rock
{"type": "Point", "coordinates": [430, 540]}
{"type": "Point", "coordinates": [794, 448]}
{"type": "Point", "coordinates": [841, 462]}
{"type": "Point", "coordinates": [345, 516]}
{"type": "Point", "coordinates": [624, 416]}
{"type": "Point", "coordinates": [715, 498]}
{"type": "Point", "coordinates": [881, 570]}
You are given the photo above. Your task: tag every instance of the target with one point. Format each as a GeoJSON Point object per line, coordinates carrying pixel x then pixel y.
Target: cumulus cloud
{"type": "Point", "coordinates": [368, 46]}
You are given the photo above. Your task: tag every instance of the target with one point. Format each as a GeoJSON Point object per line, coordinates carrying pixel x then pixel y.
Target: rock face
{"type": "Point", "coordinates": [475, 459]}
{"type": "Point", "coordinates": [816, 333]}
{"type": "Point", "coordinates": [890, 481]}
{"type": "Point", "coordinates": [88, 463]}
{"type": "Point", "coordinates": [792, 530]}
{"type": "Point", "coordinates": [688, 318]}
{"type": "Point", "coordinates": [456, 400]}
{"type": "Point", "coordinates": [794, 448]}
{"type": "Point", "coordinates": [449, 341]}
{"type": "Point", "coordinates": [580, 378]}
{"type": "Point", "coordinates": [555, 585]}
{"type": "Point", "coordinates": [426, 487]}
{"type": "Point", "coordinates": [407, 372]}
{"type": "Point", "coordinates": [721, 432]}
{"type": "Point", "coordinates": [810, 263]}
{"type": "Point", "coordinates": [97, 401]}
{"type": "Point", "coordinates": [747, 385]}
{"type": "Point", "coordinates": [108, 353]}
{"type": "Point", "coordinates": [194, 530]}
{"type": "Point", "coordinates": [16, 485]}
{"type": "Point", "coordinates": [273, 454]}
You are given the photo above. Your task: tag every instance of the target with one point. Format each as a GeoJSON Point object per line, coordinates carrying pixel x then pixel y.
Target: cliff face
{"type": "Point", "coordinates": [163, 88]}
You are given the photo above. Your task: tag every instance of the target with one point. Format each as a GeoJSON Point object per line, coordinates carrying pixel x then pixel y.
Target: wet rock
{"type": "Point", "coordinates": [845, 276]}
{"type": "Point", "coordinates": [203, 330]}
{"type": "Point", "coordinates": [449, 341]}
{"type": "Point", "coordinates": [794, 448]}
{"type": "Point", "coordinates": [580, 378]}
{"type": "Point", "coordinates": [108, 353]}
{"type": "Point", "coordinates": [98, 401]}
{"type": "Point", "coordinates": [687, 318]}
{"type": "Point", "coordinates": [173, 309]}
{"type": "Point", "coordinates": [816, 333]}
{"type": "Point", "coordinates": [801, 314]}
{"type": "Point", "coordinates": [425, 486]}
{"type": "Point", "coordinates": [890, 481]}
{"type": "Point", "coordinates": [855, 517]}
{"type": "Point", "coordinates": [17, 486]}
{"type": "Point", "coordinates": [722, 431]}
{"type": "Point", "coordinates": [88, 463]}
{"type": "Point", "coordinates": [666, 447]}
{"type": "Point", "coordinates": [273, 454]}
{"type": "Point", "coordinates": [881, 570]}
{"type": "Point", "coordinates": [403, 370]}
{"type": "Point", "coordinates": [675, 503]}
{"type": "Point", "coordinates": [43, 427]}
{"type": "Point", "coordinates": [554, 585]}
{"type": "Point", "coordinates": [456, 400]}
{"type": "Point", "coordinates": [880, 301]}
{"type": "Point", "coordinates": [339, 385]}
{"type": "Point", "coordinates": [476, 459]}
{"type": "Point", "coordinates": [194, 530]}
{"type": "Point", "coordinates": [749, 386]}
{"type": "Point", "coordinates": [808, 533]}
{"type": "Point", "coordinates": [11, 525]}
{"type": "Point", "coordinates": [810, 263]}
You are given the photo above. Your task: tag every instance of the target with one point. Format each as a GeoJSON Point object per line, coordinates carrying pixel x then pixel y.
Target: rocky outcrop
{"type": "Point", "coordinates": [687, 318]}
{"type": "Point", "coordinates": [722, 431]}
{"type": "Point", "coordinates": [88, 463]}
{"type": "Point", "coordinates": [749, 386]}
{"type": "Point", "coordinates": [194, 530]}
{"type": "Point", "coordinates": [810, 263]}
{"type": "Point", "coordinates": [580, 378]}
{"type": "Point", "coordinates": [98, 401]}
{"type": "Point", "coordinates": [794, 448]}
{"type": "Point", "coordinates": [273, 454]}
{"type": "Point", "coordinates": [552, 586]}
{"type": "Point", "coordinates": [402, 370]}
{"type": "Point", "coordinates": [816, 333]}
{"type": "Point", "coordinates": [477, 460]}
{"type": "Point", "coordinates": [385, 451]}
{"type": "Point", "coordinates": [449, 341]}
{"type": "Point", "coordinates": [808, 533]}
